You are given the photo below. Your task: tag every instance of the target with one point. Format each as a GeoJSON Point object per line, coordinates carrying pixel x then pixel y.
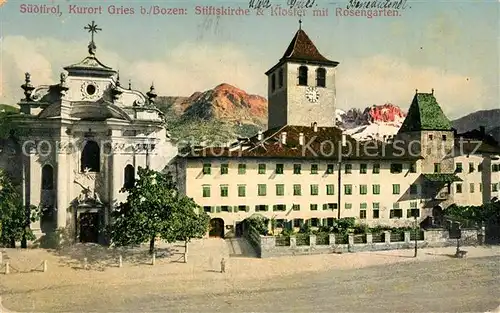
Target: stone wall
{"type": "Point", "coordinates": [269, 246]}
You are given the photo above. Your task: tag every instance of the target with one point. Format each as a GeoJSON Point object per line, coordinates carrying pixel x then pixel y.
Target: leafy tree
{"type": "Point", "coordinates": [478, 214]}
{"type": "Point", "coordinates": [146, 213]}
{"type": "Point", "coordinates": [154, 208]}
{"type": "Point", "coordinates": [14, 217]}
{"type": "Point", "coordinates": [188, 221]}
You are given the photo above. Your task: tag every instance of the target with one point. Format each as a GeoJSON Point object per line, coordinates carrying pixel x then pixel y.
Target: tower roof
{"type": "Point", "coordinates": [425, 114]}
{"type": "Point", "coordinates": [302, 49]}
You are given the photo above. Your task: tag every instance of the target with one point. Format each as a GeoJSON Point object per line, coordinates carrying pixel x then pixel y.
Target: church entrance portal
{"type": "Point", "coordinates": [438, 215]}
{"type": "Point", "coordinates": [89, 227]}
{"type": "Point", "coordinates": [216, 228]}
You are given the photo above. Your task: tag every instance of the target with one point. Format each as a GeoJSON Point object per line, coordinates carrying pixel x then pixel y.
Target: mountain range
{"type": "Point", "coordinates": [224, 113]}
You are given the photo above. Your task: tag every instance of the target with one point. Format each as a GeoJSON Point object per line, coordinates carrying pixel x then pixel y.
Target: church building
{"type": "Point", "coordinates": [304, 169]}
{"type": "Point", "coordinates": [82, 140]}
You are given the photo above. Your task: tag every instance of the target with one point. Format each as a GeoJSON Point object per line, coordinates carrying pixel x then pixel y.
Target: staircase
{"type": "Point", "coordinates": [239, 247]}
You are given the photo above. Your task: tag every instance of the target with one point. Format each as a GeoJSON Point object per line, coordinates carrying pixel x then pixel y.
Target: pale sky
{"type": "Point", "coordinates": [450, 46]}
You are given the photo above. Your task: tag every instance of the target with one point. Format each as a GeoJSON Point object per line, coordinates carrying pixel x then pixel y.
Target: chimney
{"type": "Point", "coordinates": [301, 139]}
{"type": "Point", "coordinates": [283, 138]}
{"type": "Point", "coordinates": [315, 127]}
{"type": "Point", "coordinates": [482, 130]}
{"type": "Point", "coordinates": [259, 135]}
{"type": "Point", "coordinates": [344, 140]}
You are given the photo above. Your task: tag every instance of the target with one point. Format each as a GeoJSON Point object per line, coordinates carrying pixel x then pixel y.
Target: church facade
{"type": "Point", "coordinates": [303, 169]}
{"type": "Point", "coordinates": [82, 141]}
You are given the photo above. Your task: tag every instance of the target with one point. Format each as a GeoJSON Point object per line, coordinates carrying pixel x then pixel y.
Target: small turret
{"type": "Point", "coordinates": [27, 86]}
{"type": "Point", "coordinates": [151, 94]}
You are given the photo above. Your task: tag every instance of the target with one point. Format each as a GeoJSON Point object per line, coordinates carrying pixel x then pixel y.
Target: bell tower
{"type": "Point", "coordinates": [301, 86]}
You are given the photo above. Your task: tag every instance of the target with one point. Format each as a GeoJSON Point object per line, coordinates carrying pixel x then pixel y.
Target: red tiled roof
{"type": "Point", "coordinates": [325, 143]}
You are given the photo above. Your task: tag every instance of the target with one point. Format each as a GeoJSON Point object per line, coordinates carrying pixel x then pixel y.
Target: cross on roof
{"type": "Point", "coordinates": [92, 28]}
{"type": "Point", "coordinates": [300, 23]}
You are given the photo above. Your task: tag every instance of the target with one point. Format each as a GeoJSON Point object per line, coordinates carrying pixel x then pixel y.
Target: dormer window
{"type": "Point", "coordinates": [303, 75]}
{"type": "Point", "coordinates": [273, 82]}
{"type": "Point", "coordinates": [280, 78]}
{"type": "Point", "coordinates": [321, 77]}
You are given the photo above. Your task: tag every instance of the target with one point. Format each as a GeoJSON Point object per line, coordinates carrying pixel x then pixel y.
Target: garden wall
{"type": "Point", "coordinates": [300, 244]}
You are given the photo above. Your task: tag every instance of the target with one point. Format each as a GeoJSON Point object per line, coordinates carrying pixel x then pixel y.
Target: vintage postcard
{"type": "Point", "coordinates": [249, 156]}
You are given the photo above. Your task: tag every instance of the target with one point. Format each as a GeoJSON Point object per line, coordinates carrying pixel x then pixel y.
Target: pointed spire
{"type": "Point", "coordinates": [129, 84]}
{"type": "Point", "coordinates": [300, 23]}
{"type": "Point", "coordinates": [416, 91]}
{"type": "Point", "coordinates": [118, 79]}
{"type": "Point", "coordinates": [432, 91]}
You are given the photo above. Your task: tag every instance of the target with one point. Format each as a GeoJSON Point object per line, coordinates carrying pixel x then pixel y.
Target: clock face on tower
{"type": "Point", "coordinates": [312, 94]}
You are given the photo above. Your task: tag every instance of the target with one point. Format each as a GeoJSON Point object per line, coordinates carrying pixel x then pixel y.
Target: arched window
{"type": "Point", "coordinates": [91, 157]}
{"type": "Point", "coordinates": [321, 77]}
{"type": "Point", "coordinates": [280, 78]}
{"type": "Point", "coordinates": [47, 177]}
{"type": "Point", "coordinates": [273, 82]}
{"type": "Point", "coordinates": [303, 75]}
{"type": "Point", "coordinates": [129, 180]}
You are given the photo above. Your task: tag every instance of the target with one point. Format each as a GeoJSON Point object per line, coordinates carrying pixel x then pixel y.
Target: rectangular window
{"type": "Point", "coordinates": [376, 213]}
{"type": "Point", "coordinates": [331, 206]}
{"type": "Point", "coordinates": [348, 206]}
{"type": "Point", "coordinates": [459, 188]}
{"type": "Point", "coordinates": [348, 168]}
{"type": "Point", "coordinates": [279, 207]}
{"type": "Point", "coordinates": [363, 168]}
{"type": "Point", "coordinates": [279, 168]}
{"type": "Point", "coordinates": [207, 168]}
{"type": "Point", "coordinates": [396, 168]}
{"type": "Point", "coordinates": [314, 168]}
{"type": "Point", "coordinates": [260, 208]}
{"type": "Point", "coordinates": [329, 168]}
{"type": "Point", "coordinates": [297, 191]}
{"type": "Point", "coordinates": [207, 209]}
{"type": "Point", "coordinates": [431, 137]}
{"type": "Point", "coordinates": [348, 189]}
{"type": "Point", "coordinates": [376, 189]}
{"type": "Point", "coordinates": [471, 187]}
{"type": "Point", "coordinates": [494, 187]}
{"type": "Point", "coordinates": [413, 167]}
{"type": "Point", "coordinates": [363, 189]}
{"type": "Point", "coordinates": [413, 189]}
{"type": "Point", "coordinates": [262, 190]}
{"type": "Point", "coordinates": [395, 189]}
{"type": "Point", "coordinates": [241, 190]}
{"type": "Point", "coordinates": [443, 137]}
{"type": "Point", "coordinates": [314, 222]}
{"type": "Point", "coordinates": [362, 214]}
{"type": "Point", "coordinates": [296, 168]}
{"type": "Point", "coordinates": [262, 168]}
{"type": "Point", "coordinates": [412, 213]}
{"type": "Point", "coordinates": [314, 190]}
{"type": "Point", "coordinates": [206, 191]}
{"type": "Point", "coordinates": [330, 190]}
{"type": "Point", "coordinates": [458, 168]}
{"type": "Point", "coordinates": [242, 208]}
{"type": "Point", "coordinates": [480, 167]}
{"type": "Point", "coordinates": [363, 206]}
{"type": "Point", "coordinates": [295, 207]}
{"type": "Point", "coordinates": [396, 213]}
{"type": "Point", "coordinates": [376, 205]}
{"type": "Point", "coordinates": [224, 169]}
{"type": "Point", "coordinates": [280, 190]}
{"type": "Point", "coordinates": [437, 167]}
{"type": "Point", "coordinates": [313, 207]}
{"type": "Point", "coordinates": [224, 208]}
{"type": "Point", "coordinates": [224, 190]}
{"type": "Point", "coordinates": [471, 167]}
{"type": "Point", "coordinates": [242, 169]}
{"type": "Point", "coordinates": [376, 168]}
{"type": "Point", "coordinates": [298, 222]}
{"type": "Point", "coordinates": [480, 187]}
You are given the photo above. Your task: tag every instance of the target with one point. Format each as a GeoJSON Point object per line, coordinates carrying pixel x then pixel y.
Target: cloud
{"type": "Point", "coordinates": [186, 68]}
{"type": "Point", "coordinates": [178, 71]}
{"type": "Point", "coordinates": [379, 79]}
